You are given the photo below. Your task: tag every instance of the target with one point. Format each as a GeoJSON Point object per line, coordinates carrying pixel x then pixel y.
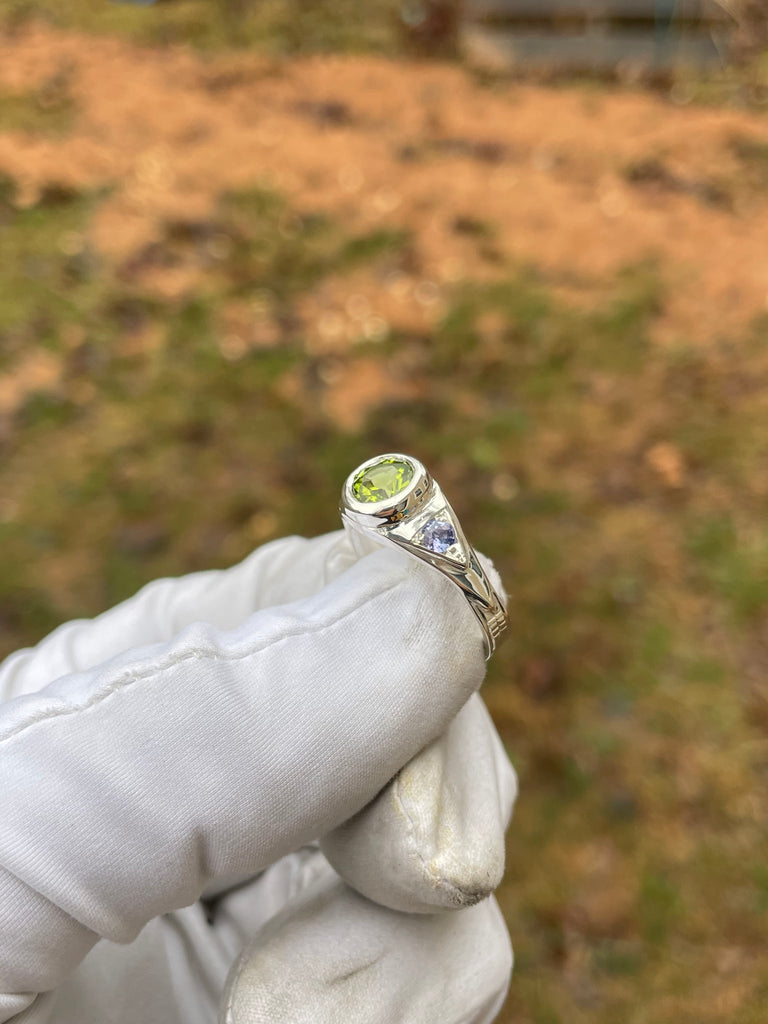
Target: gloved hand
{"type": "Point", "coordinates": [167, 768]}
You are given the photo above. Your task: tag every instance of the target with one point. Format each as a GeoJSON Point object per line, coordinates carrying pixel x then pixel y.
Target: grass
{"type": "Point", "coordinates": [48, 112]}
{"type": "Point", "coordinates": [753, 155]}
{"type": "Point", "coordinates": [734, 567]}
{"type": "Point", "coordinates": [618, 485]}
{"type": "Point", "coordinates": [42, 255]}
{"type": "Point", "coordinates": [275, 26]}
{"type": "Point", "coordinates": [637, 848]}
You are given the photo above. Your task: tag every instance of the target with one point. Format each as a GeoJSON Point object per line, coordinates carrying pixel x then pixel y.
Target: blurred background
{"type": "Point", "coordinates": [245, 246]}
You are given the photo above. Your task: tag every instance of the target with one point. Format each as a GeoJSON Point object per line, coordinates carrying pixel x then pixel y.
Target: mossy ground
{"type": "Point", "coordinates": [618, 483]}
{"type": "Point", "coordinates": [275, 26]}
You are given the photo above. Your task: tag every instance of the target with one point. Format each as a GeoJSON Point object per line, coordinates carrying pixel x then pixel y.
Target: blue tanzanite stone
{"type": "Point", "coordinates": [438, 536]}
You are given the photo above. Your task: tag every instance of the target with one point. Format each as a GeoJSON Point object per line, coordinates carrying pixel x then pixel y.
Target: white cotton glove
{"type": "Point", "coordinates": [192, 741]}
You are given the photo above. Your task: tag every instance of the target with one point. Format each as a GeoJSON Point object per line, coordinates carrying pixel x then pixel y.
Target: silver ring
{"type": "Point", "coordinates": [392, 498]}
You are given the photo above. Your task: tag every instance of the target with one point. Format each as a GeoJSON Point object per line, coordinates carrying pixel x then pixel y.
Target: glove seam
{"type": "Point", "coordinates": [130, 676]}
{"type": "Point", "coordinates": [440, 882]}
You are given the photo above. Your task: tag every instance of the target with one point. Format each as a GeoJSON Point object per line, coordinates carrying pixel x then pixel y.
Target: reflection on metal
{"type": "Point", "coordinates": [595, 34]}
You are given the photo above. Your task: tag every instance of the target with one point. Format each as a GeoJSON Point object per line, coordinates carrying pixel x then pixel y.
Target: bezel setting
{"type": "Point", "coordinates": [389, 510]}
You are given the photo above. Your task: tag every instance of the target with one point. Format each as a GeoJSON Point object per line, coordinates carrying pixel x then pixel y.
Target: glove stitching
{"type": "Point", "coordinates": [457, 895]}
{"type": "Point", "coordinates": [130, 676]}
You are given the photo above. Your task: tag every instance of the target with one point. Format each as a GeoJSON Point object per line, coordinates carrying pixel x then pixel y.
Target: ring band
{"type": "Point", "coordinates": [392, 498]}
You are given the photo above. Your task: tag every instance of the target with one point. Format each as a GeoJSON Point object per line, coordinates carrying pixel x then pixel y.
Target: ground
{"type": "Point", "coordinates": [228, 276]}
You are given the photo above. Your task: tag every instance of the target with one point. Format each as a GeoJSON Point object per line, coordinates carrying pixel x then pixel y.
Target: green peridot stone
{"type": "Point", "coordinates": [383, 480]}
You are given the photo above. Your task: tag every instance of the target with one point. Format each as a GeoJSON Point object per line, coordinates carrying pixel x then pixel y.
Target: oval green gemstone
{"type": "Point", "coordinates": [383, 480]}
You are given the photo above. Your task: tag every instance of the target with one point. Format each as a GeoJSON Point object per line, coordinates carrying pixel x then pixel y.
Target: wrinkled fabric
{"type": "Point", "coordinates": [344, 948]}
{"type": "Point", "coordinates": [187, 742]}
{"type": "Point", "coordinates": [439, 840]}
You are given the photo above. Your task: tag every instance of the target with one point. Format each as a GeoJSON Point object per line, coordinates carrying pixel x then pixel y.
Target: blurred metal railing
{"type": "Point", "coordinates": [596, 34]}
{"type": "Point", "coordinates": [585, 34]}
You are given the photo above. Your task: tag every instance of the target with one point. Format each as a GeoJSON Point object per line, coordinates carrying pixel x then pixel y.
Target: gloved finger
{"type": "Point", "coordinates": [129, 787]}
{"type": "Point", "coordinates": [333, 955]}
{"type": "Point", "coordinates": [434, 837]}
{"type": "Point", "coordinates": [180, 960]}
{"type": "Point", "coordinates": [277, 573]}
